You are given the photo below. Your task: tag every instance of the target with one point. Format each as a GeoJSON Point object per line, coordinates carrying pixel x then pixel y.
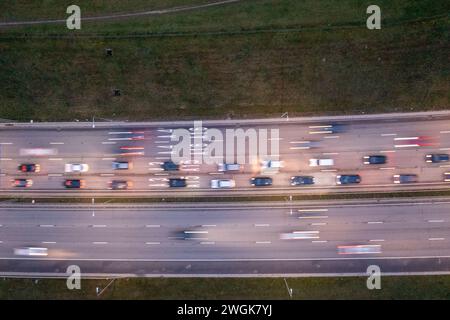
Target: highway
{"type": "Point", "coordinates": [100, 146]}
{"type": "Point", "coordinates": [238, 238]}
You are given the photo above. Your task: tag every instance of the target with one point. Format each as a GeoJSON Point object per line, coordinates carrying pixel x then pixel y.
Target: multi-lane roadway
{"type": "Point", "coordinates": [410, 236]}
{"type": "Point", "coordinates": [404, 141]}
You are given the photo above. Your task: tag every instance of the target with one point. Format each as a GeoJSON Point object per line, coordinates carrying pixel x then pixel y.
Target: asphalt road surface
{"type": "Point", "coordinates": [405, 142]}
{"type": "Point", "coordinates": [408, 236]}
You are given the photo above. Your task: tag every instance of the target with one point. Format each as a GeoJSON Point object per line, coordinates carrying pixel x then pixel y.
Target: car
{"type": "Point", "coordinates": [131, 151]}
{"type": "Point", "coordinates": [405, 178]}
{"type": "Point", "coordinates": [436, 158]}
{"type": "Point", "coordinates": [76, 167]}
{"type": "Point", "coordinates": [447, 177]}
{"type": "Point", "coordinates": [170, 166]}
{"type": "Point", "coordinates": [228, 167]}
{"type": "Point", "coordinates": [31, 251]}
{"type": "Point", "coordinates": [320, 162]}
{"type": "Point", "coordinates": [348, 179]}
{"type": "Point", "coordinates": [29, 167]}
{"type": "Point", "coordinates": [327, 129]}
{"type": "Point", "coordinates": [261, 181]}
{"type": "Point", "coordinates": [374, 159]}
{"type": "Point", "coordinates": [121, 184]}
{"type": "Point", "coordinates": [419, 141]}
{"type": "Point", "coordinates": [301, 180]}
{"type": "Point", "coordinates": [122, 165]}
{"type": "Point", "coordinates": [74, 184]}
{"type": "Point", "coordinates": [195, 233]}
{"type": "Point", "coordinates": [359, 249]}
{"type": "Point", "coordinates": [222, 183]}
{"type": "Point", "coordinates": [271, 164]}
{"type": "Point", "coordinates": [300, 235]}
{"type": "Point", "coordinates": [22, 183]}
{"type": "Point", "coordinates": [177, 183]}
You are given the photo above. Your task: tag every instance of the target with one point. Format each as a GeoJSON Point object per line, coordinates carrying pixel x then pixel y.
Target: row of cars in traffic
{"type": "Point", "coordinates": [268, 166]}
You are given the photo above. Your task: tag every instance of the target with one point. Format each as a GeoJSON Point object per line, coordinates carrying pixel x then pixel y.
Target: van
{"type": "Point", "coordinates": [229, 167]}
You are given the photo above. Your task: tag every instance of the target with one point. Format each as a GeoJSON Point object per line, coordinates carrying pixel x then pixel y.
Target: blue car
{"type": "Point", "coordinates": [301, 180]}
{"type": "Point", "coordinates": [348, 179]}
{"type": "Point", "coordinates": [376, 159]}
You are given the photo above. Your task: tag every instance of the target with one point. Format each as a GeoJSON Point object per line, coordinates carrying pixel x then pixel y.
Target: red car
{"type": "Point", "coordinates": [29, 167]}
{"type": "Point", "coordinates": [22, 183]}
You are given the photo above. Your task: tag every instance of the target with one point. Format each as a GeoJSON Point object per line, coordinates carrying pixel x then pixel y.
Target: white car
{"type": "Point", "coordinates": [31, 251]}
{"type": "Point", "coordinates": [271, 164]}
{"type": "Point", "coordinates": [77, 167]}
{"type": "Point", "coordinates": [320, 162]}
{"type": "Point", "coordinates": [223, 183]}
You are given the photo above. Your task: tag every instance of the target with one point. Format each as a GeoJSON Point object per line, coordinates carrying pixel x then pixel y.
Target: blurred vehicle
{"type": "Point", "coordinates": [131, 151]}
{"type": "Point", "coordinates": [222, 183]}
{"type": "Point", "coordinates": [447, 177]}
{"type": "Point", "coordinates": [38, 152]}
{"type": "Point", "coordinates": [301, 180]}
{"type": "Point", "coordinates": [271, 164]}
{"type": "Point", "coordinates": [29, 167]}
{"type": "Point", "coordinates": [121, 184]}
{"type": "Point", "coordinates": [436, 158]}
{"type": "Point", "coordinates": [305, 144]}
{"type": "Point", "coordinates": [419, 141]}
{"type": "Point", "coordinates": [228, 167]}
{"type": "Point", "coordinates": [359, 249]}
{"type": "Point", "coordinates": [76, 167]}
{"type": "Point", "coordinates": [405, 178]}
{"type": "Point", "coordinates": [327, 129]}
{"type": "Point", "coordinates": [170, 166]}
{"type": "Point", "coordinates": [31, 251]}
{"type": "Point", "coordinates": [348, 179]}
{"type": "Point", "coordinates": [22, 183]}
{"type": "Point", "coordinates": [296, 235]}
{"type": "Point", "coordinates": [177, 183]}
{"type": "Point", "coordinates": [74, 184]}
{"type": "Point", "coordinates": [261, 181]}
{"type": "Point", "coordinates": [320, 162]}
{"type": "Point", "coordinates": [122, 165]}
{"type": "Point", "coordinates": [374, 159]}
{"type": "Point", "coordinates": [196, 233]}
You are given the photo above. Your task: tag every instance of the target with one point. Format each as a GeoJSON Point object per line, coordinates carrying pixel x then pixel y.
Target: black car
{"type": "Point", "coordinates": [120, 185]}
{"type": "Point", "coordinates": [348, 179]}
{"type": "Point", "coordinates": [170, 166]}
{"type": "Point", "coordinates": [436, 158]}
{"type": "Point", "coordinates": [74, 184]}
{"type": "Point", "coordinates": [177, 183]}
{"type": "Point", "coordinates": [29, 167]}
{"type": "Point", "coordinates": [301, 180]}
{"type": "Point", "coordinates": [375, 159]}
{"type": "Point", "coordinates": [261, 181]}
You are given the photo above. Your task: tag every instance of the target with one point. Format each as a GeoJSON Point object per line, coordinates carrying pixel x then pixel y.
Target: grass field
{"type": "Point", "coordinates": [345, 288]}
{"type": "Point", "coordinates": [326, 63]}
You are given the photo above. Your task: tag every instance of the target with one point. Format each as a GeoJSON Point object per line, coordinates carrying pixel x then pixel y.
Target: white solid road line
{"type": "Point", "coordinates": [48, 242]}
{"type": "Point", "coordinates": [445, 132]}
{"type": "Point", "coordinates": [406, 145]}
{"type": "Point", "coordinates": [55, 159]}
{"type": "Point", "coordinates": [152, 226]}
{"type": "Point", "coordinates": [331, 137]}
{"type": "Point", "coordinates": [55, 174]}
{"type": "Point", "coordinates": [99, 242]}
{"type": "Point", "coordinates": [389, 168]}
{"type": "Point", "coordinates": [261, 225]}
{"type": "Point", "coordinates": [263, 242]}
{"type": "Point", "coordinates": [377, 240]}
{"type": "Point", "coordinates": [153, 243]}
{"type": "Point", "coordinates": [436, 239]}
{"type": "Point", "coordinates": [388, 134]}
{"type": "Point", "coordinates": [46, 225]}
{"type": "Point", "coordinates": [318, 224]}
{"type": "Point", "coordinates": [433, 221]}
{"type": "Point", "coordinates": [319, 241]}
{"type": "Point", "coordinates": [108, 159]}
{"type": "Point", "coordinates": [207, 242]}
{"type": "Point", "coordinates": [374, 222]}
{"type": "Point", "coordinates": [6, 143]}
{"type": "Point", "coordinates": [5, 159]}
{"type": "Point", "coordinates": [313, 210]}
{"type": "Point", "coordinates": [99, 226]}
{"type": "Point", "coordinates": [109, 142]}
{"type": "Point", "coordinates": [387, 151]}
{"type": "Point", "coordinates": [56, 143]}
